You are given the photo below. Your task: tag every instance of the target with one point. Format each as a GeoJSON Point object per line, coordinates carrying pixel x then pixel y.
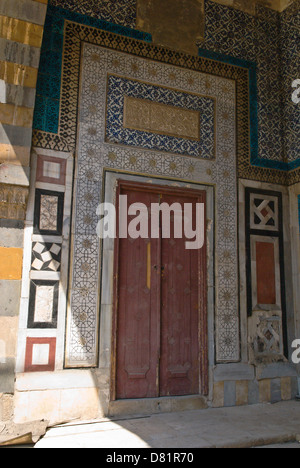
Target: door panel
{"type": "Point", "coordinates": [160, 306]}
{"type": "Point", "coordinates": [179, 367]}
{"type": "Point", "coordinates": [138, 313]}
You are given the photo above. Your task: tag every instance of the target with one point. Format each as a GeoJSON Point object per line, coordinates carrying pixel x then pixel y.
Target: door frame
{"type": "Point", "coordinates": [203, 306]}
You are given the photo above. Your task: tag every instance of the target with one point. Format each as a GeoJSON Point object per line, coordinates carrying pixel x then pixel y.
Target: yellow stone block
{"type": "Point", "coordinates": [21, 31]}
{"type": "Point", "coordinates": [24, 117]}
{"type": "Point", "coordinates": [20, 75]}
{"type": "Point", "coordinates": [242, 393]}
{"type": "Point", "coordinates": [7, 113]}
{"type": "Point", "coordinates": [265, 391]}
{"type": "Point", "coordinates": [11, 263]}
{"type": "Point", "coordinates": [16, 155]}
{"type": "Point", "coordinates": [286, 388]}
{"type": "Point", "coordinates": [218, 397]}
{"type": "Point", "coordinates": [15, 115]}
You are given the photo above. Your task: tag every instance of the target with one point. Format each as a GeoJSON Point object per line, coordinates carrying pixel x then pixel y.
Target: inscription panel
{"type": "Point", "coordinates": [148, 116]}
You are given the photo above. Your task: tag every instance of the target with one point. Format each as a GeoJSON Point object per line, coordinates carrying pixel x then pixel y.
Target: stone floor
{"type": "Point", "coordinates": [248, 426]}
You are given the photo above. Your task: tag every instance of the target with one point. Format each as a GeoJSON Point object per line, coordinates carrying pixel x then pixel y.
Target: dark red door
{"type": "Point", "coordinates": [138, 313]}
{"type": "Point", "coordinates": [179, 366]}
{"type": "Point", "coordinates": [160, 307]}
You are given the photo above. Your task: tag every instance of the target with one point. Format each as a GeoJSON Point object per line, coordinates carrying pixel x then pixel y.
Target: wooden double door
{"type": "Point", "coordinates": [160, 305]}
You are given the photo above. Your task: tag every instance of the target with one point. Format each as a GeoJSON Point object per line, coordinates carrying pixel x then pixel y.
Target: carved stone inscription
{"type": "Point", "coordinates": [148, 116]}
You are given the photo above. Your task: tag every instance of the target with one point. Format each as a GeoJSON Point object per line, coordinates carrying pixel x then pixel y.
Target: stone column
{"type": "Point", "coordinates": [21, 32]}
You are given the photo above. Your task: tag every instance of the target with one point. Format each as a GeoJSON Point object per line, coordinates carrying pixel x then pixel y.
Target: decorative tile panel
{"type": "Point", "coordinates": [95, 153]}
{"type": "Point", "coordinates": [123, 12]}
{"type": "Point", "coordinates": [289, 37]}
{"type": "Point", "coordinates": [161, 136]}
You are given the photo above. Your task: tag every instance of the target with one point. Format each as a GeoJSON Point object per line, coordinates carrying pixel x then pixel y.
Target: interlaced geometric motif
{"type": "Point", "coordinates": [264, 212]}
{"type": "Point", "coordinates": [46, 257]}
{"type": "Point", "coordinates": [268, 336]}
{"type": "Point", "coordinates": [122, 12]}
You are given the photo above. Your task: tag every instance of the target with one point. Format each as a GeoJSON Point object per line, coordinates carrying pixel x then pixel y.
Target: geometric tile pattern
{"type": "Point", "coordinates": [123, 13]}
{"type": "Point", "coordinates": [289, 35]}
{"type": "Point", "coordinates": [65, 139]}
{"type": "Point", "coordinates": [255, 38]}
{"type": "Point", "coordinates": [95, 154]}
{"type": "Point", "coordinates": [46, 257]}
{"type": "Point", "coordinates": [264, 212]}
{"type": "Point", "coordinates": [268, 339]}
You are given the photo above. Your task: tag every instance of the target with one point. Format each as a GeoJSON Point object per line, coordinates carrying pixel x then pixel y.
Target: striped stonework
{"type": "Point", "coordinates": [244, 392]}
{"type": "Point", "coordinates": [21, 33]}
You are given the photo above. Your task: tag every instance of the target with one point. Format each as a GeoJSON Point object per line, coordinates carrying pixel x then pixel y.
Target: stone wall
{"type": "Point", "coordinates": [21, 32]}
